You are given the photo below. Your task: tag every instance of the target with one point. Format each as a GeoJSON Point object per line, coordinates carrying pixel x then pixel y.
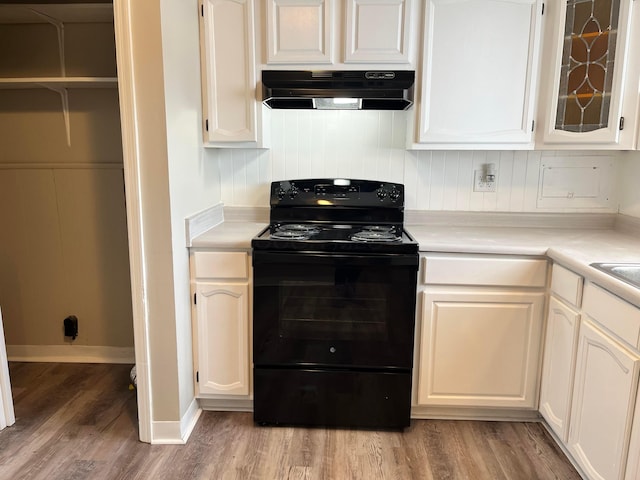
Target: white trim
{"type": "Point", "coordinates": [128, 119]}
{"type": "Point", "coordinates": [176, 433]}
{"type": "Point", "coordinates": [70, 354]}
{"type": "Point", "coordinates": [7, 415]}
{"type": "Point", "coordinates": [202, 221]}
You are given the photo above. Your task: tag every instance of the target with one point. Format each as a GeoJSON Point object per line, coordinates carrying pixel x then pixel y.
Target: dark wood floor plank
{"type": "Point", "coordinates": [79, 421]}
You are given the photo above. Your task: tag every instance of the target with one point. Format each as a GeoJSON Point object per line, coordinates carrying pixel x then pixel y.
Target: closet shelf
{"type": "Point", "coordinates": [58, 82]}
{"type": "Point", "coordinates": [88, 12]}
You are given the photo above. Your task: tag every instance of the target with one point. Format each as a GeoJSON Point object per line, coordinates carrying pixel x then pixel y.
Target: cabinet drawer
{"type": "Point", "coordinates": [613, 313]}
{"type": "Point", "coordinates": [488, 271]}
{"type": "Point", "coordinates": [221, 265]}
{"type": "Point", "coordinates": [566, 284]}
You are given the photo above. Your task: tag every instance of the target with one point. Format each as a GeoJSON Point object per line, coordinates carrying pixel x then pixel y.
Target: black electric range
{"type": "Point", "coordinates": [334, 298]}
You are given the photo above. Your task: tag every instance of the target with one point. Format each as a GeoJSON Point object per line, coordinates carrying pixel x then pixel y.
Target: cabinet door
{"type": "Point", "coordinates": [588, 57]}
{"type": "Point", "coordinates": [229, 96]}
{"type": "Point", "coordinates": [603, 402]}
{"type": "Point", "coordinates": [480, 349]}
{"type": "Point", "coordinates": [559, 366]}
{"type": "Point", "coordinates": [299, 31]}
{"type": "Point", "coordinates": [480, 64]}
{"type": "Point", "coordinates": [222, 312]}
{"type": "Point", "coordinates": [377, 31]}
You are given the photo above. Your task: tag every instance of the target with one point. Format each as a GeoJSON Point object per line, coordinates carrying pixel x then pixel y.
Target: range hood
{"type": "Point", "coordinates": [338, 90]}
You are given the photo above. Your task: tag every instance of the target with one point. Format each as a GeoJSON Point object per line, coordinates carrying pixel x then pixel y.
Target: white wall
{"type": "Point", "coordinates": [194, 182]}
{"type": "Point", "coordinates": [371, 145]}
{"type": "Point", "coordinates": [630, 184]}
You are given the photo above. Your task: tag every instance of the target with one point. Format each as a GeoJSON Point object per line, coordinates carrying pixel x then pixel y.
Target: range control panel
{"type": "Point", "coordinates": [339, 191]}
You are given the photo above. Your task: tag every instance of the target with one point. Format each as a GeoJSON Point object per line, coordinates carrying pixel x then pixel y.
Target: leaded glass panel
{"type": "Point", "coordinates": [586, 75]}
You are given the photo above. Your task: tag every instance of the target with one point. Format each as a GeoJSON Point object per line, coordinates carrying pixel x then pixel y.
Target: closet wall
{"type": "Point", "coordinates": [63, 237]}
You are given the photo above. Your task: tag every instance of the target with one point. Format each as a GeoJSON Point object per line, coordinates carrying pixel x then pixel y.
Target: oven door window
{"type": "Point", "coordinates": [333, 310]}
{"type": "Point", "coordinates": [341, 303]}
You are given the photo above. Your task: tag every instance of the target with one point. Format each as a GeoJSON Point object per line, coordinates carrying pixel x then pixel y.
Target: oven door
{"type": "Point", "coordinates": [319, 309]}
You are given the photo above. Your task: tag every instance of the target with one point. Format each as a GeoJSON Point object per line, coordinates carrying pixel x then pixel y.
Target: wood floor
{"type": "Point", "coordinates": [79, 422]}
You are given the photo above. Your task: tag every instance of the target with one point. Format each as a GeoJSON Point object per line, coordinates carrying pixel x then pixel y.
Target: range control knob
{"type": "Point", "coordinates": [293, 192]}
{"type": "Point", "coordinates": [394, 195]}
{"type": "Point", "coordinates": [280, 193]}
{"type": "Point", "coordinates": [381, 193]}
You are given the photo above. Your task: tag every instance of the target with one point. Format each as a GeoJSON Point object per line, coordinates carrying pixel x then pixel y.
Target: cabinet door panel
{"type": "Point", "coordinates": [377, 31]}
{"type": "Point", "coordinates": [480, 349]}
{"type": "Point", "coordinates": [479, 71]}
{"type": "Point", "coordinates": [603, 402]}
{"type": "Point", "coordinates": [558, 366]}
{"type": "Point", "coordinates": [299, 31]}
{"type": "Point", "coordinates": [229, 63]}
{"type": "Point", "coordinates": [223, 338]}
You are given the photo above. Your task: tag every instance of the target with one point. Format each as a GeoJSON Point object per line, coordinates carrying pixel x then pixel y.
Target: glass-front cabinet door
{"type": "Point", "coordinates": [589, 96]}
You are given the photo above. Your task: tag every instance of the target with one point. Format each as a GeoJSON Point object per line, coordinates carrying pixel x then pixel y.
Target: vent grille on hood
{"type": "Point", "coordinates": [342, 90]}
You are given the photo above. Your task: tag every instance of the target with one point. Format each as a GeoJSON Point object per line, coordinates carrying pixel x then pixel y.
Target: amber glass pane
{"type": "Point", "coordinates": [598, 48]}
{"type": "Point", "coordinates": [596, 75]}
{"type": "Point", "coordinates": [587, 69]}
{"type": "Point", "coordinates": [591, 114]}
{"type": "Point", "coordinates": [579, 49]}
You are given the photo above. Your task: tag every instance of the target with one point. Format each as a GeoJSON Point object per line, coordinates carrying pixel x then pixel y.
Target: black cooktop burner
{"type": "Point", "coordinates": [375, 236]}
{"type": "Point", "coordinates": [294, 231]}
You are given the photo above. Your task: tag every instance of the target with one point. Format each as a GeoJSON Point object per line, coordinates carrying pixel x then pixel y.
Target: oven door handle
{"type": "Point", "coordinates": [341, 259]}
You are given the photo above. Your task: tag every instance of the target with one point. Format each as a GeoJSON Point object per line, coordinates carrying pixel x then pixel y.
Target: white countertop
{"type": "Point", "coordinates": [573, 248]}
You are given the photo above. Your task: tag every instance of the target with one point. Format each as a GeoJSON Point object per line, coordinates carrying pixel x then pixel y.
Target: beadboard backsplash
{"type": "Point", "coordinates": [371, 145]}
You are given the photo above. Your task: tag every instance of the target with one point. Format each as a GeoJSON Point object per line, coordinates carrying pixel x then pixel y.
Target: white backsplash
{"type": "Point", "coordinates": [371, 145]}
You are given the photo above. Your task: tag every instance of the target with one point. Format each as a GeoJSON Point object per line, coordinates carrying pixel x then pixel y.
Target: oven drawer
{"type": "Point", "coordinates": [484, 270]}
{"type": "Point", "coordinates": [363, 399]}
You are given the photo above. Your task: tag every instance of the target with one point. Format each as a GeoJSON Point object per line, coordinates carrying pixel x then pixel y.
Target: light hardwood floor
{"type": "Point", "coordinates": [79, 422]}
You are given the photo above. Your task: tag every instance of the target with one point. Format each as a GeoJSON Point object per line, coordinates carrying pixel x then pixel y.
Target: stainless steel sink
{"type": "Point", "coordinates": [627, 272]}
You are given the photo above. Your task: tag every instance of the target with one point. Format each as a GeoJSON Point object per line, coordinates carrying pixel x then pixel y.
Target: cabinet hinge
{"type": "Point", "coordinates": [533, 125]}
{"type": "Point", "coordinates": [195, 302]}
{"type": "Point", "coordinates": [206, 124]}
{"type": "Point", "coordinates": [198, 377]}
{"type": "Point", "coordinates": [542, 9]}
{"type": "Point", "coordinates": [621, 123]}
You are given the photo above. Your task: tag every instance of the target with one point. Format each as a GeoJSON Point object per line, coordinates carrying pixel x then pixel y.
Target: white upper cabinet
{"type": "Point", "coordinates": [377, 31]}
{"type": "Point", "coordinates": [347, 34]}
{"type": "Point", "coordinates": [229, 80]}
{"type": "Point", "coordinates": [299, 31]}
{"type": "Point", "coordinates": [590, 91]}
{"type": "Point", "coordinates": [479, 71]}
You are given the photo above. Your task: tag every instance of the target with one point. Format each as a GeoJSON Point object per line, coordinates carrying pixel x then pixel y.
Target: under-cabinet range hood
{"type": "Point", "coordinates": [338, 90]}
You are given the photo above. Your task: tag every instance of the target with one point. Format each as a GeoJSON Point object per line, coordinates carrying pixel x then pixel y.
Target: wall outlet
{"type": "Point", "coordinates": [483, 182]}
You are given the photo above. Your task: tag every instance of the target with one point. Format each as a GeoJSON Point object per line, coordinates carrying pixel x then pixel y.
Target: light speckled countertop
{"type": "Point", "coordinates": [573, 248]}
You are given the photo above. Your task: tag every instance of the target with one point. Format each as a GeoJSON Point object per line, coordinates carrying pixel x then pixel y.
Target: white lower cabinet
{"type": "Point", "coordinates": [603, 404]}
{"type": "Point", "coordinates": [481, 325]}
{"type": "Point", "coordinates": [590, 377]}
{"type": "Point", "coordinates": [221, 324]}
{"type": "Point", "coordinates": [559, 366]}
{"type": "Point", "coordinates": [223, 338]}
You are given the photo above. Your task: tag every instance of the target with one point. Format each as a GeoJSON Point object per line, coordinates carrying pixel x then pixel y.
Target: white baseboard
{"type": "Point", "coordinates": [178, 432]}
{"type": "Point", "coordinates": [70, 354]}
{"type": "Point", "coordinates": [475, 413]}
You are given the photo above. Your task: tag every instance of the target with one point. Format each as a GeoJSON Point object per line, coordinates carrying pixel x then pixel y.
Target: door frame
{"type": "Point", "coordinates": [131, 161]}
{"type": "Point", "coordinates": [7, 414]}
